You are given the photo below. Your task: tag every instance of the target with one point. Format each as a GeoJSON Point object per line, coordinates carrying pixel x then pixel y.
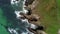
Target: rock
{"type": "Point", "coordinates": [28, 2]}
{"type": "Point", "coordinates": [40, 28]}
{"type": "Point", "coordinates": [41, 32]}
{"type": "Point", "coordinates": [33, 5]}
{"type": "Point", "coordinates": [29, 10]}
{"type": "Point", "coordinates": [34, 28]}
{"type": "Point", "coordinates": [17, 0]}
{"type": "Point", "coordinates": [34, 17]}
{"type": "Point", "coordinates": [59, 31]}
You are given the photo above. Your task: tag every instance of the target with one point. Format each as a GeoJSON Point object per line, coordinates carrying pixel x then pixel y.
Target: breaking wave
{"type": "Point", "coordinates": [18, 6]}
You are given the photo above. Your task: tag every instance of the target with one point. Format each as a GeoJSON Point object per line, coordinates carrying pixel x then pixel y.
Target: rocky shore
{"type": "Point", "coordinates": [32, 6]}
{"type": "Point", "coordinates": [28, 19]}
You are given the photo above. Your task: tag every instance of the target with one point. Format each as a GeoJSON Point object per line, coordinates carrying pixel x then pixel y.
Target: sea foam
{"type": "Point", "coordinates": [25, 21]}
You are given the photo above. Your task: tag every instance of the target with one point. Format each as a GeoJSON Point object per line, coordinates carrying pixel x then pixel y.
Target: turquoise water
{"type": "Point", "coordinates": [6, 12]}
{"type": "Point", "coordinates": [4, 22]}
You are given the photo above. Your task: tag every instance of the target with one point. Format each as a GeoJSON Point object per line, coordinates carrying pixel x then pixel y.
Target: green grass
{"type": "Point", "coordinates": [58, 13]}
{"type": "Point", "coordinates": [50, 17]}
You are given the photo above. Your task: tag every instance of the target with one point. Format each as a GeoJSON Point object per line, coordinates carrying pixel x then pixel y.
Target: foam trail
{"type": "Point", "coordinates": [12, 31]}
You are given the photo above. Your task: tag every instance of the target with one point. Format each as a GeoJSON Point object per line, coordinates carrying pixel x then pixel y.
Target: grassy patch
{"type": "Point", "coordinates": [48, 12]}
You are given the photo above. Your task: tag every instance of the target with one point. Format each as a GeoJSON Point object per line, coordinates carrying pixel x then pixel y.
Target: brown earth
{"type": "Point", "coordinates": [44, 8]}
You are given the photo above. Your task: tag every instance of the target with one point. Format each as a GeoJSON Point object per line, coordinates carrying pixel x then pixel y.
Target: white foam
{"type": "Point", "coordinates": [12, 31]}
{"type": "Point", "coordinates": [25, 10]}
{"type": "Point", "coordinates": [23, 20]}
{"type": "Point", "coordinates": [14, 2]}
{"type": "Point", "coordinates": [17, 14]}
{"type": "Point", "coordinates": [33, 26]}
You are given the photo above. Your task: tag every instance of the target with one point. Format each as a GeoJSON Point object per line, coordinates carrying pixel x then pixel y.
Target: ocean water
{"type": "Point", "coordinates": [8, 18]}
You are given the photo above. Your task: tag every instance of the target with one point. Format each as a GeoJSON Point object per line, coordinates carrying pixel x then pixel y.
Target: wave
{"type": "Point", "coordinates": [19, 6]}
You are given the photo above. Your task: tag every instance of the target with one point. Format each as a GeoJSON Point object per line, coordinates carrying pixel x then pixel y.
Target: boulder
{"type": "Point", "coordinates": [28, 2]}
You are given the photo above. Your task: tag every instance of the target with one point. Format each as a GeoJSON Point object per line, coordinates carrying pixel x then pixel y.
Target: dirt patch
{"type": "Point", "coordinates": [33, 7]}
{"type": "Point", "coordinates": [46, 9]}
{"type": "Point", "coordinates": [50, 5]}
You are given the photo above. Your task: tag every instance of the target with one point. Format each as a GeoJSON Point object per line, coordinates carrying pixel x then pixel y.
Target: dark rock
{"type": "Point", "coordinates": [29, 11]}
{"type": "Point", "coordinates": [17, 0]}
{"type": "Point", "coordinates": [38, 28]}
{"type": "Point", "coordinates": [34, 18]}
{"type": "Point", "coordinates": [28, 2]}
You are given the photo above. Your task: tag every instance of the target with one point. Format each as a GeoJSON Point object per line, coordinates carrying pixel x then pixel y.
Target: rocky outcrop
{"type": "Point", "coordinates": [34, 18]}
{"type": "Point", "coordinates": [33, 5]}
{"type": "Point", "coordinates": [30, 5]}
{"type": "Point", "coordinates": [41, 32]}
{"type": "Point", "coordinates": [28, 2]}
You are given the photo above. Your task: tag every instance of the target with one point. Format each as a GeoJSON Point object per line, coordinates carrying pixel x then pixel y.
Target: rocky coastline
{"type": "Point", "coordinates": [32, 6]}
{"type": "Point", "coordinates": [29, 20]}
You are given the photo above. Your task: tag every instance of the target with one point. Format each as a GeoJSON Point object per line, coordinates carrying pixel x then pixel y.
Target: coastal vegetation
{"type": "Point", "coordinates": [49, 15]}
